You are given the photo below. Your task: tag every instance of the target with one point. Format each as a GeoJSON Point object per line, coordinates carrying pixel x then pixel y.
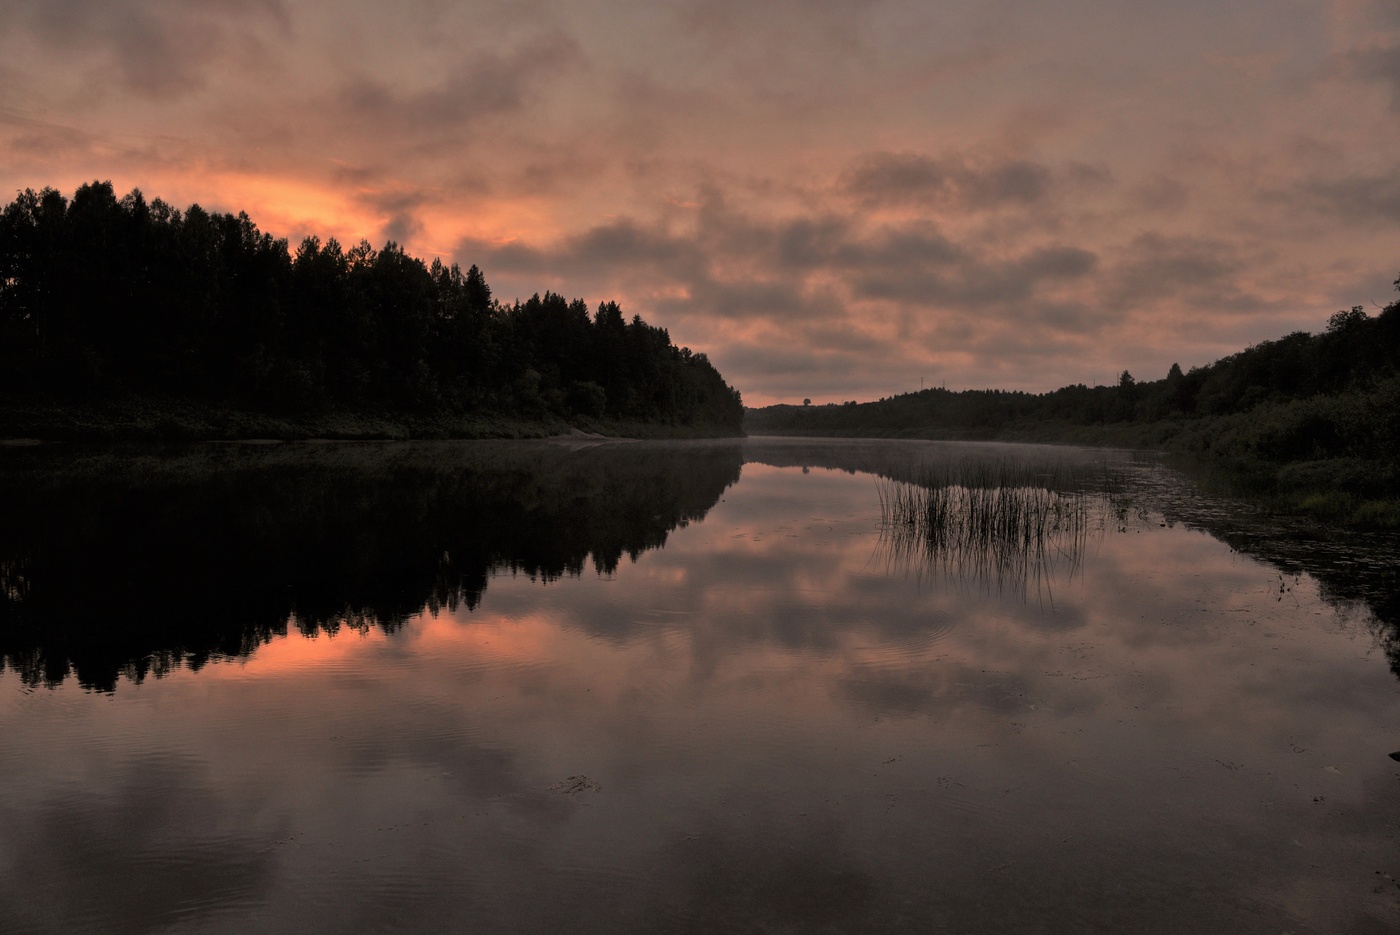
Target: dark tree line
{"type": "Point", "coordinates": [102, 297]}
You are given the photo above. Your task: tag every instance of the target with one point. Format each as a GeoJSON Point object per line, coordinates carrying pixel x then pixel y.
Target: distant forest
{"type": "Point", "coordinates": [104, 298]}
{"type": "Point", "coordinates": [1316, 413]}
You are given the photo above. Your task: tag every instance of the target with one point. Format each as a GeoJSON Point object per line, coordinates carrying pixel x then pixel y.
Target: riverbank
{"type": "Point", "coordinates": [1350, 492]}
{"type": "Point", "coordinates": [165, 420]}
{"type": "Point", "coordinates": [1222, 454]}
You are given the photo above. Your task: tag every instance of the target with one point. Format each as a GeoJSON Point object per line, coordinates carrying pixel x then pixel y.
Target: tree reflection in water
{"type": "Point", "coordinates": [135, 562]}
{"type": "Point", "coordinates": [132, 562]}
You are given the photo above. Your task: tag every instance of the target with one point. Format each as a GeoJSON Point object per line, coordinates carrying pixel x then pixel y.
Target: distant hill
{"type": "Point", "coordinates": [1316, 415]}
{"type": "Point", "coordinates": [122, 309]}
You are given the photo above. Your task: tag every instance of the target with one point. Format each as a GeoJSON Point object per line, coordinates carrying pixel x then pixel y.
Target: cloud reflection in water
{"type": "Point", "coordinates": [786, 735]}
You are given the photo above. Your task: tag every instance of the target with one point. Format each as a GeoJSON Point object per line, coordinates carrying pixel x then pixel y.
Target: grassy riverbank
{"type": "Point", "coordinates": [1353, 492]}
{"type": "Point", "coordinates": [1331, 456]}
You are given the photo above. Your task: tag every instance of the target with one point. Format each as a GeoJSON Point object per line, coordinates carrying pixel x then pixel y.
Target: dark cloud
{"type": "Point", "coordinates": [402, 211]}
{"type": "Point", "coordinates": [780, 302]}
{"type": "Point", "coordinates": [31, 148]}
{"type": "Point", "coordinates": [840, 336]}
{"type": "Point", "coordinates": [626, 241]}
{"type": "Point", "coordinates": [1161, 193]}
{"type": "Point", "coordinates": [562, 171]}
{"type": "Point", "coordinates": [791, 361]}
{"type": "Point", "coordinates": [974, 282]}
{"type": "Point", "coordinates": [37, 138]}
{"type": "Point", "coordinates": [1354, 199]}
{"type": "Point", "coordinates": [907, 247]}
{"type": "Point", "coordinates": [1011, 344]}
{"type": "Point", "coordinates": [482, 83]}
{"type": "Point", "coordinates": [951, 181]}
{"type": "Point", "coordinates": [1154, 267]}
{"type": "Point", "coordinates": [806, 243]}
{"type": "Point", "coordinates": [771, 28]}
{"type": "Point", "coordinates": [1380, 63]}
{"type": "Point", "coordinates": [619, 245]}
{"type": "Point", "coordinates": [154, 49]}
{"type": "Point", "coordinates": [1075, 318]}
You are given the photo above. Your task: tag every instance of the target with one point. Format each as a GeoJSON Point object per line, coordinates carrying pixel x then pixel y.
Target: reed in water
{"type": "Point", "coordinates": [1002, 523]}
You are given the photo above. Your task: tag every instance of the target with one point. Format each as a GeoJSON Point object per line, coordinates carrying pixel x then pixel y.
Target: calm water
{"type": "Point", "coordinates": [501, 687]}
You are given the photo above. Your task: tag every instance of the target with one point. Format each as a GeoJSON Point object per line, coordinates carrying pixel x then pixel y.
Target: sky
{"type": "Point", "coordinates": [834, 199]}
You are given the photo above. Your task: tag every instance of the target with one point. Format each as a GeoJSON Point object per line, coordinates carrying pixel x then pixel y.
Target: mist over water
{"type": "Point", "coordinates": [678, 687]}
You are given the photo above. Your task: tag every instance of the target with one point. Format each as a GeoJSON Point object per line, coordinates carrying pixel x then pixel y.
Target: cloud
{"type": "Point", "coordinates": [893, 178]}
{"type": "Point", "coordinates": [401, 209]}
{"type": "Point", "coordinates": [623, 244]}
{"type": "Point", "coordinates": [726, 22]}
{"type": "Point", "coordinates": [888, 186]}
{"type": "Point", "coordinates": [791, 362]}
{"type": "Point", "coordinates": [913, 246]}
{"type": "Point", "coordinates": [1354, 199]}
{"type": "Point", "coordinates": [778, 303]}
{"type": "Point", "coordinates": [817, 298]}
{"type": "Point", "coordinates": [810, 242]}
{"type": "Point", "coordinates": [956, 181]}
{"type": "Point", "coordinates": [1380, 63]}
{"type": "Point", "coordinates": [154, 49]}
{"type": "Point", "coordinates": [1154, 267]}
{"type": "Point", "coordinates": [976, 282]}
{"type": "Point", "coordinates": [1161, 193]}
{"type": "Point", "coordinates": [867, 299]}
{"type": "Point", "coordinates": [480, 83]}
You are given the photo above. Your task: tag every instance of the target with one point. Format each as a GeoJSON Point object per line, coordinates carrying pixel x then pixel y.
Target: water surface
{"type": "Point", "coordinates": [501, 687]}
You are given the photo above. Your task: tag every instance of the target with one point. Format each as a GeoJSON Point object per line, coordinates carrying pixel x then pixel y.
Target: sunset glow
{"type": "Point", "coordinates": [834, 200]}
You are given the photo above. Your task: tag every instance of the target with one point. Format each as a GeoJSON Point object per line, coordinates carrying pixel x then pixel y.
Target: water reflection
{"type": "Point", "coordinates": [107, 850]}
{"type": "Point", "coordinates": [119, 562]}
{"type": "Point", "coordinates": [133, 562]}
{"type": "Point", "coordinates": [1355, 571]}
{"type": "Point", "coordinates": [783, 736]}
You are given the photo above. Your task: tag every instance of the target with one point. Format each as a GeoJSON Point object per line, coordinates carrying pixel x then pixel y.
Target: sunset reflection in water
{"type": "Point", "coordinates": [779, 729]}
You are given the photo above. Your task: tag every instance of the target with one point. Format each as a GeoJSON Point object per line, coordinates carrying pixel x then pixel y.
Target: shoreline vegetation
{"type": "Point", "coordinates": [128, 320]}
{"type": "Point", "coordinates": [1307, 424]}
{"type": "Point", "coordinates": [1008, 525]}
{"type": "Point", "coordinates": [145, 419]}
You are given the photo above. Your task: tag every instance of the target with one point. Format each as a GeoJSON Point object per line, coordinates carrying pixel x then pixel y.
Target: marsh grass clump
{"type": "Point", "coordinates": [1002, 523]}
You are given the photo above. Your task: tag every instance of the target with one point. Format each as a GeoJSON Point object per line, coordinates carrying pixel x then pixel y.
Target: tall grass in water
{"type": "Point", "coordinates": [1004, 523]}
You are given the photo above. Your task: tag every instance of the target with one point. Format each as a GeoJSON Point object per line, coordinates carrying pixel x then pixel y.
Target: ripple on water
{"type": "Point", "coordinates": [902, 651]}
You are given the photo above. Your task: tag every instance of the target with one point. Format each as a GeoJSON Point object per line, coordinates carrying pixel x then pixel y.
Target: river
{"type": "Point", "coordinates": [678, 687]}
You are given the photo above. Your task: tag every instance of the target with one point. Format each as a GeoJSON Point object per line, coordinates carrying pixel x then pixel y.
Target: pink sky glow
{"type": "Point", "coordinates": [835, 199]}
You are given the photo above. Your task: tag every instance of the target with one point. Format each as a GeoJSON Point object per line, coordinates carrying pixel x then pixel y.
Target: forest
{"type": "Point", "coordinates": [1313, 418]}
{"type": "Point", "coordinates": [111, 302]}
